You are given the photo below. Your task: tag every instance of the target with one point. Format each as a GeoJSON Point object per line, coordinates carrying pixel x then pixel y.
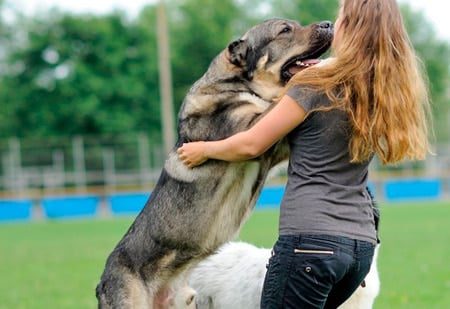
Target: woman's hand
{"type": "Point", "coordinates": [193, 154]}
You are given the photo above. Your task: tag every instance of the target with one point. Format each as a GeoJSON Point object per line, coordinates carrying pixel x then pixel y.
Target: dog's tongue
{"type": "Point", "coordinates": [301, 65]}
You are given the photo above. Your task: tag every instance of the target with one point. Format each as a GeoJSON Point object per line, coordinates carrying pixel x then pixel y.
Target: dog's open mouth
{"type": "Point", "coordinates": [301, 62]}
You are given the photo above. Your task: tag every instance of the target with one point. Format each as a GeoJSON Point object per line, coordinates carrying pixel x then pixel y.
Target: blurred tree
{"type": "Point", "coordinates": [5, 42]}
{"type": "Point", "coordinates": [435, 54]}
{"type": "Point", "coordinates": [83, 74]}
{"type": "Point", "coordinates": [64, 74]}
{"type": "Point", "coordinates": [305, 11]}
{"type": "Point", "coordinates": [200, 29]}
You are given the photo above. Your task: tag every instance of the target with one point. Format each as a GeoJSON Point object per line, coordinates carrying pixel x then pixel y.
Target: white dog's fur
{"type": "Point", "coordinates": [178, 296]}
{"type": "Point", "coordinates": [233, 278]}
{"type": "Point", "coordinates": [184, 299]}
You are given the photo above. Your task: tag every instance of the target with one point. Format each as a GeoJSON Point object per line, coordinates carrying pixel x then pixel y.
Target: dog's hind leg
{"type": "Point", "coordinates": [138, 294]}
{"type": "Point", "coordinates": [123, 290]}
{"type": "Point", "coordinates": [136, 274]}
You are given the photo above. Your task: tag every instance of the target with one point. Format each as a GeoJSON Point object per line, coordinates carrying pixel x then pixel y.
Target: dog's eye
{"type": "Point", "coordinates": [285, 30]}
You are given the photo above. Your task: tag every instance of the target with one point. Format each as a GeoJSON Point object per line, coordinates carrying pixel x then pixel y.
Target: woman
{"type": "Point", "coordinates": [369, 99]}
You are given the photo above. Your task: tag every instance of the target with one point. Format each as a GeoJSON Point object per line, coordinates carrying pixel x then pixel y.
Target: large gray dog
{"type": "Point", "coordinates": [191, 212]}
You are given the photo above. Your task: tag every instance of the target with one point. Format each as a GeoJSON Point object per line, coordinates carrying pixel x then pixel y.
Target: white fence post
{"type": "Point", "coordinates": [79, 163]}
{"type": "Point", "coordinates": [109, 169]}
{"type": "Point", "coordinates": [15, 161]}
{"type": "Point", "coordinates": [144, 159]}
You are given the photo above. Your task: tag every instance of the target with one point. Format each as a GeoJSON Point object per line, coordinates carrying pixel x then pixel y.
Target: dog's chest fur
{"type": "Point", "coordinates": [225, 193]}
{"type": "Point", "coordinates": [234, 194]}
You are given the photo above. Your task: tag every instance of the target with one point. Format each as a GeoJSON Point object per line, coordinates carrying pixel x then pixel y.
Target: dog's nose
{"type": "Point", "coordinates": [326, 24]}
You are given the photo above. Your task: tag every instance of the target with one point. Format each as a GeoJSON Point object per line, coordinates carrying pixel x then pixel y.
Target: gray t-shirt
{"type": "Point", "coordinates": [325, 193]}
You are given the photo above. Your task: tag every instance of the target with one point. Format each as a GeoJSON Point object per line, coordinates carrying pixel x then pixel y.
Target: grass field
{"type": "Point", "coordinates": [57, 264]}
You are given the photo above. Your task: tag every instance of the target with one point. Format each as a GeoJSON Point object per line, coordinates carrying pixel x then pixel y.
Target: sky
{"type": "Point", "coordinates": [435, 10]}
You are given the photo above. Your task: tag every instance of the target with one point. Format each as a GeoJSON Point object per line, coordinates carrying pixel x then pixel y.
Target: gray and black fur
{"type": "Point", "coordinates": [191, 212]}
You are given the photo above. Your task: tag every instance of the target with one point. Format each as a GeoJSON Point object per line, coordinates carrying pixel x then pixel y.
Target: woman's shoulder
{"type": "Point", "coordinates": [307, 96]}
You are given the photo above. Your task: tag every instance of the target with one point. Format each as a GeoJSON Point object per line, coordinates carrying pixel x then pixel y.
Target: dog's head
{"type": "Point", "coordinates": [269, 54]}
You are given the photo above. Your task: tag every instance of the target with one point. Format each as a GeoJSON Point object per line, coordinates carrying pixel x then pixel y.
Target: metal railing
{"type": "Point", "coordinates": [84, 164]}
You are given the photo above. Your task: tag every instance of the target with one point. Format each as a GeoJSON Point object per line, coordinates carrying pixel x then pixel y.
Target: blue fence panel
{"type": "Point", "coordinates": [70, 207]}
{"type": "Point", "coordinates": [412, 189]}
{"type": "Point", "coordinates": [15, 210]}
{"type": "Point", "coordinates": [270, 197]}
{"type": "Point", "coordinates": [127, 204]}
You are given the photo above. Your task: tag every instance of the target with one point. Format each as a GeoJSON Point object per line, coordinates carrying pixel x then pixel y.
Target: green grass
{"type": "Point", "coordinates": [57, 264]}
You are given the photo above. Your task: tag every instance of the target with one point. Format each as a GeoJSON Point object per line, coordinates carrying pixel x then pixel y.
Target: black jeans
{"type": "Point", "coordinates": [315, 271]}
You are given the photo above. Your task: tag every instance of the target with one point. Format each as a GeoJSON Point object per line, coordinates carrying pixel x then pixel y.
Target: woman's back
{"type": "Point", "coordinates": [325, 194]}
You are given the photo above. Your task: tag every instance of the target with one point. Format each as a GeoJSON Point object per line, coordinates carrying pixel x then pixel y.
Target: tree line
{"type": "Point", "coordinates": [65, 74]}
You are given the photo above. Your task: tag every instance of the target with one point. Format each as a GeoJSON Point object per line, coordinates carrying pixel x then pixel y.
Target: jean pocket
{"type": "Point", "coordinates": [313, 258]}
{"type": "Point", "coordinates": [315, 268]}
{"type": "Point", "coordinates": [310, 258]}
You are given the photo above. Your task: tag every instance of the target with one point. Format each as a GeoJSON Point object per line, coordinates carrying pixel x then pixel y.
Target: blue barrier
{"type": "Point", "coordinates": [270, 197]}
{"type": "Point", "coordinates": [126, 204]}
{"type": "Point", "coordinates": [412, 189]}
{"type": "Point", "coordinates": [15, 210]}
{"type": "Point", "coordinates": [121, 204]}
{"type": "Point", "coordinates": [70, 207]}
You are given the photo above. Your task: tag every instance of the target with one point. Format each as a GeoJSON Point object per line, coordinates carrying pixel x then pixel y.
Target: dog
{"type": "Point", "coordinates": [191, 212]}
{"type": "Point", "coordinates": [234, 278]}
{"type": "Point", "coordinates": [179, 296]}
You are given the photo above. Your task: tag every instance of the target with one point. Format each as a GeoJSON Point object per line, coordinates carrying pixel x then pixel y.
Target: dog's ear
{"type": "Point", "coordinates": [238, 52]}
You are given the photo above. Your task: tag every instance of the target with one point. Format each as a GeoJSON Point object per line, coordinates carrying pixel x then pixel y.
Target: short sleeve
{"type": "Point", "coordinates": [306, 97]}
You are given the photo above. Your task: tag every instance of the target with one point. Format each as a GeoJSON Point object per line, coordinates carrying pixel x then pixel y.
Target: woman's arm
{"type": "Point", "coordinates": [285, 116]}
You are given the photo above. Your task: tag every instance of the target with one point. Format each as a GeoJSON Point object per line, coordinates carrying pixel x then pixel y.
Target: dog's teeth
{"type": "Point", "coordinates": [298, 62]}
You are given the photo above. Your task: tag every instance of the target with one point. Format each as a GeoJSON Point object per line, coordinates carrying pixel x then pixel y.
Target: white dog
{"type": "Point", "coordinates": [233, 279]}
{"type": "Point", "coordinates": [178, 296]}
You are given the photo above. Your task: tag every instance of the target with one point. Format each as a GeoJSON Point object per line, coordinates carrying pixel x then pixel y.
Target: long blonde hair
{"type": "Point", "coordinates": [376, 78]}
